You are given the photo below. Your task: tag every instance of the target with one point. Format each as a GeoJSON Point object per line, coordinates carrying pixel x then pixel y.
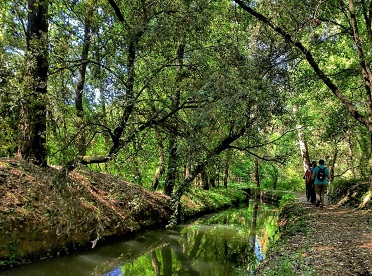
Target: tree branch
{"type": "Point", "coordinates": [310, 59]}
{"type": "Point", "coordinates": [117, 10]}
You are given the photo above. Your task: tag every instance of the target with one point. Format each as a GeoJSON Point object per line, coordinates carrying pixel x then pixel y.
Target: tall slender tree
{"type": "Point", "coordinates": [79, 92]}
{"type": "Point", "coordinates": [302, 141]}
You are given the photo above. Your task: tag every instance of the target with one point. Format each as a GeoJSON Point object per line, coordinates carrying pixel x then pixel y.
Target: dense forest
{"type": "Point", "coordinates": [168, 94]}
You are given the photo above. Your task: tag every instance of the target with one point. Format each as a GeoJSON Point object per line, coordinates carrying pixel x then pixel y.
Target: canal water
{"type": "Point", "coordinates": [230, 242]}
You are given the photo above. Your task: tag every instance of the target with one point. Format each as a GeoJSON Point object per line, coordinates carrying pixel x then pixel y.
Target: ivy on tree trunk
{"type": "Point", "coordinates": [33, 109]}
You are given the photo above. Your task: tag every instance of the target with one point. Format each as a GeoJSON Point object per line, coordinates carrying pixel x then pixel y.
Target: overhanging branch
{"type": "Point", "coordinates": [310, 59]}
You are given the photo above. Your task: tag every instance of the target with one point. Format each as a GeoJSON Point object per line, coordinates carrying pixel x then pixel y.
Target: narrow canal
{"type": "Point", "coordinates": [230, 242]}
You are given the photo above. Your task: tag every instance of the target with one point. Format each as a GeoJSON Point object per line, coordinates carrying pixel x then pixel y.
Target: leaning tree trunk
{"type": "Point", "coordinates": [33, 109]}
{"type": "Point", "coordinates": [176, 196]}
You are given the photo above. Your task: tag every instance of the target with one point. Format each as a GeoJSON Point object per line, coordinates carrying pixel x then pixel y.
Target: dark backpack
{"type": "Point", "coordinates": [321, 174]}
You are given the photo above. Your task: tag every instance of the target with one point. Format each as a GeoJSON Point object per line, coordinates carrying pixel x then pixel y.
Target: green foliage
{"type": "Point", "coordinates": [292, 184]}
{"type": "Point", "coordinates": [234, 73]}
{"type": "Point", "coordinates": [204, 201]}
{"type": "Point", "coordinates": [348, 191]}
{"type": "Point", "coordinates": [287, 198]}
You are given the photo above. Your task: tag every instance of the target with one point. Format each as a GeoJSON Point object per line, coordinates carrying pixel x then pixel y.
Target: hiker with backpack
{"type": "Point", "coordinates": [321, 177]}
{"type": "Point", "coordinates": [309, 182]}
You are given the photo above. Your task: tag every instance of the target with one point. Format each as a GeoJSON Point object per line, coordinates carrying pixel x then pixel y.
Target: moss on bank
{"type": "Point", "coordinates": [43, 214]}
{"type": "Point", "coordinates": [285, 258]}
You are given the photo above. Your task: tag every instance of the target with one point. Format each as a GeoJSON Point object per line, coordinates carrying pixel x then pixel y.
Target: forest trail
{"type": "Point", "coordinates": [339, 241]}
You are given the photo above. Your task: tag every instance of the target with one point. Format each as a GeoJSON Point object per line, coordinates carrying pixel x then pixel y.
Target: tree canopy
{"type": "Point", "coordinates": [166, 93]}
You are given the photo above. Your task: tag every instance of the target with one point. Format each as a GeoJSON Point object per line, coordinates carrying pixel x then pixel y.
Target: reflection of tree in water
{"type": "Point", "coordinates": [221, 244]}
{"type": "Point", "coordinates": [185, 260]}
{"type": "Point", "coordinates": [166, 254]}
{"type": "Point", "coordinates": [155, 263]}
{"type": "Point", "coordinates": [115, 272]}
{"type": "Point", "coordinates": [197, 242]}
{"type": "Point", "coordinates": [255, 255]}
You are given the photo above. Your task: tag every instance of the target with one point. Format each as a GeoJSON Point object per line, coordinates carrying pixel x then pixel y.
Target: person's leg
{"type": "Point", "coordinates": [312, 193]}
{"type": "Point", "coordinates": [307, 190]}
{"type": "Point", "coordinates": [323, 190]}
{"type": "Point", "coordinates": [317, 192]}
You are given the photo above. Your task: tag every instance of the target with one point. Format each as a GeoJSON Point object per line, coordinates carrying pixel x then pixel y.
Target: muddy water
{"type": "Point", "coordinates": [231, 242]}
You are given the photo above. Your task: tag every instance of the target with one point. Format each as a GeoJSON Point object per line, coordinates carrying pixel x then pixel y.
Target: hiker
{"type": "Point", "coordinates": [308, 181]}
{"type": "Point", "coordinates": [312, 186]}
{"type": "Point", "coordinates": [321, 177]}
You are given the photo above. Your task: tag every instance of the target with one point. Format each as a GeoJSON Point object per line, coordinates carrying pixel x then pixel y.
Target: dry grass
{"type": "Point", "coordinates": [43, 212]}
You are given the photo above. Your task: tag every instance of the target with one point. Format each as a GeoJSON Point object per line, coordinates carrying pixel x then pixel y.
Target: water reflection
{"type": "Point", "coordinates": [232, 242]}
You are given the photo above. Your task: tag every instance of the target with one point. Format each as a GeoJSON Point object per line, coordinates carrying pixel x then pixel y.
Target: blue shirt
{"type": "Point", "coordinates": [325, 180]}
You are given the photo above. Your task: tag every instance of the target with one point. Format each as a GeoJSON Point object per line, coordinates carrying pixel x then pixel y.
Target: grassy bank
{"type": "Point", "coordinates": [44, 213]}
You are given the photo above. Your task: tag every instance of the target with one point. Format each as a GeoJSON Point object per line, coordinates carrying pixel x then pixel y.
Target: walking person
{"type": "Point", "coordinates": [308, 179]}
{"type": "Point", "coordinates": [321, 177]}
{"type": "Point", "coordinates": [309, 183]}
{"type": "Point", "coordinates": [312, 185]}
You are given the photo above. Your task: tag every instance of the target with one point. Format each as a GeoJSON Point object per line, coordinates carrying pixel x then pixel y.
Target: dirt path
{"type": "Point", "coordinates": [316, 241]}
{"type": "Point", "coordinates": [340, 240]}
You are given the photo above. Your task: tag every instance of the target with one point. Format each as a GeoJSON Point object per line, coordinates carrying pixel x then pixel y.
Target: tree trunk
{"type": "Point", "coordinates": [370, 164]}
{"type": "Point", "coordinates": [81, 141]}
{"type": "Point", "coordinates": [217, 175]}
{"type": "Point", "coordinates": [33, 110]}
{"type": "Point", "coordinates": [226, 171]}
{"type": "Point", "coordinates": [213, 177]}
{"type": "Point", "coordinates": [82, 69]}
{"type": "Point", "coordinates": [173, 159]}
{"type": "Point", "coordinates": [204, 178]}
{"type": "Point", "coordinates": [256, 174]}
{"type": "Point", "coordinates": [302, 142]}
{"type": "Point", "coordinates": [276, 177]}
{"type": "Point", "coordinates": [170, 181]}
{"type": "Point", "coordinates": [351, 153]}
{"type": "Point", "coordinates": [333, 160]}
{"type": "Point", "coordinates": [160, 170]}
{"type": "Point", "coordinates": [187, 170]}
